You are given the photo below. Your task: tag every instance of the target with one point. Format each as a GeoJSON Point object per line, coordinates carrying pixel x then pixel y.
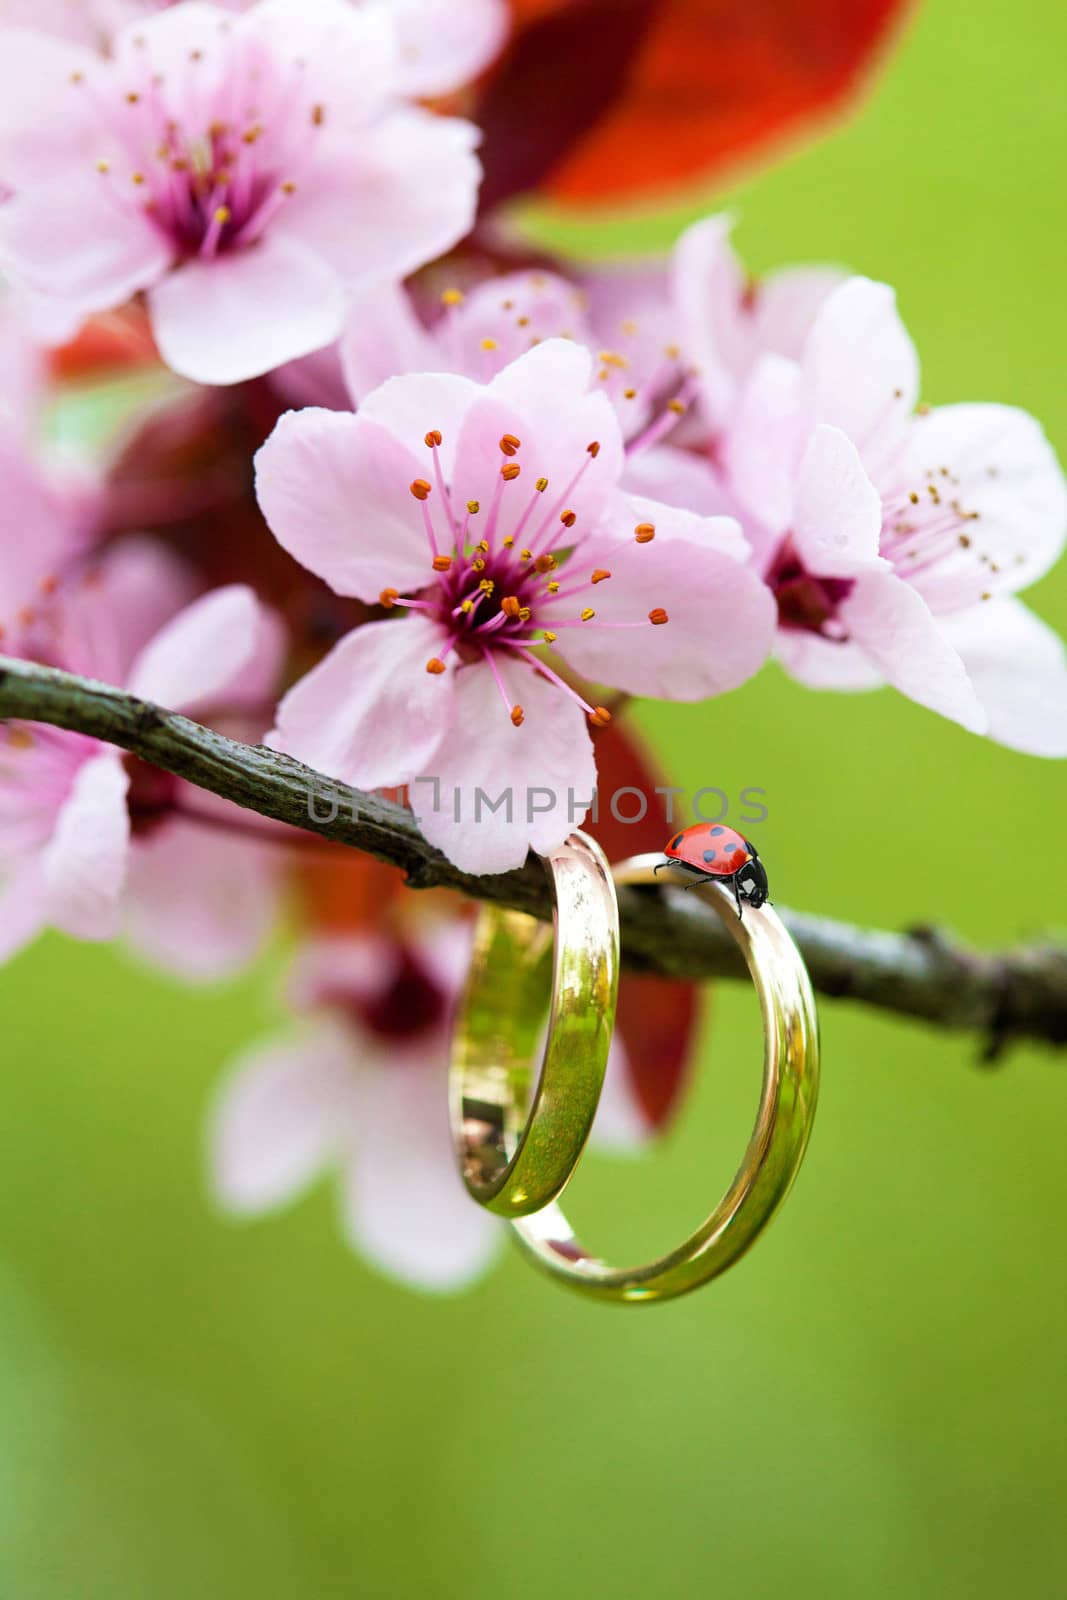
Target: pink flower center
{"type": "Point", "coordinates": [498, 596]}
{"type": "Point", "coordinates": [410, 1003]}
{"type": "Point", "coordinates": [209, 165]}
{"type": "Point", "coordinates": [806, 602]}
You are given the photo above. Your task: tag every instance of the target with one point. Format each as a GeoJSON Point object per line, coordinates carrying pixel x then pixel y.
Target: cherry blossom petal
{"type": "Point", "coordinates": [405, 1208]}
{"type": "Point", "coordinates": [708, 286]}
{"type": "Point", "coordinates": [546, 765]}
{"type": "Point", "coordinates": [763, 447]}
{"type": "Point", "coordinates": [62, 75]}
{"type": "Point", "coordinates": [199, 903]}
{"type": "Point", "coordinates": [279, 1117]}
{"type": "Point", "coordinates": [837, 511]}
{"type": "Point", "coordinates": [370, 713]}
{"type": "Point", "coordinates": [85, 861]}
{"type": "Point", "coordinates": [543, 399]}
{"type": "Point", "coordinates": [893, 626]}
{"type": "Point", "coordinates": [238, 315]}
{"type": "Point", "coordinates": [825, 663]}
{"type": "Point", "coordinates": [409, 406]}
{"type": "Point", "coordinates": [681, 478]}
{"type": "Point", "coordinates": [861, 368]}
{"type": "Point", "coordinates": [408, 196]}
{"type": "Point", "coordinates": [721, 615]}
{"type": "Point", "coordinates": [349, 54]}
{"type": "Point", "coordinates": [68, 241]}
{"type": "Point", "coordinates": [383, 337]}
{"type": "Point", "coordinates": [335, 490]}
{"type": "Point", "coordinates": [444, 45]}
{"type": "Point", "coordinates": [198, 653]}
{"type": "Point", "coordinates": [1018, 666]}
{"type": "Point", "coordinates": [994, 465]}
{"type": "Point", "coordinates": [23, 912]}
{"type": "Point", "coordinates": [786, 304]}
{"type": "Point", "coordinates": [359, 968]}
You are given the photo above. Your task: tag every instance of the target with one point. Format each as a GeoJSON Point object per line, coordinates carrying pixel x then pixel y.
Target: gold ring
{"type": "Point", "coordinates": [516, 1150]}
{"type": "Point", "coordinates": [778, 1142]}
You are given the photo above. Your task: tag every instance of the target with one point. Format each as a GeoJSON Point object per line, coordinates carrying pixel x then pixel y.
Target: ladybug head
{"type": "Point", "coordinates": [752, 885]}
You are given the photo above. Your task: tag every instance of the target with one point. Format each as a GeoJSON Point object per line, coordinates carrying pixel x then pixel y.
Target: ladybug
{"type": "Point", "coordinates": [711, 850]}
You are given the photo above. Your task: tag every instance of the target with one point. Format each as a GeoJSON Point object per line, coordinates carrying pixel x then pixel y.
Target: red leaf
{"type": "Point", "coordinates": [611, 102]}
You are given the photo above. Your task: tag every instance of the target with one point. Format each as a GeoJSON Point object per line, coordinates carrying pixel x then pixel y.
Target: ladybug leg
{"type": "Point", "coordinates": [737, 897]}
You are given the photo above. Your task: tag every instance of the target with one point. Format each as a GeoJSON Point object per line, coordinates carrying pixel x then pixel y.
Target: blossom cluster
{"type": "Point", "coordinates": [424, 509]}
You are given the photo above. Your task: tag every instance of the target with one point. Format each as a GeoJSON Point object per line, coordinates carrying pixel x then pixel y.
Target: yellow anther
{"type": "Point", "coordinates": [588, 614]}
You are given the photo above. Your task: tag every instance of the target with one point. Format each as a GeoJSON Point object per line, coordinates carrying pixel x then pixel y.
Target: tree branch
{"type": "Point", "coordinates": [924, 974]}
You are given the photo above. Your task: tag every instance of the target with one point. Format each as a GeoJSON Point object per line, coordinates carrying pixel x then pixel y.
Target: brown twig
{"type": "Point", "coordinates": [924, 974]}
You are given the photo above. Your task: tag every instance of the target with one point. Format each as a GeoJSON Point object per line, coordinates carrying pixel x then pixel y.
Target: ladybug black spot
{"type": "Point", "coordinates": [730, 848]}
{"type": "Point", "coordinates": [709, 855]}
{"type": "Point", "coordinates": [716, 831]}
{"type": "Point", "coordinates": [675, 842]}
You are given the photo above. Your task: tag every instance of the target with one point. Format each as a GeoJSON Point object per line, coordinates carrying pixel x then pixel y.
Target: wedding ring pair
{"type": "Point", "coordinates": [519, 1136]}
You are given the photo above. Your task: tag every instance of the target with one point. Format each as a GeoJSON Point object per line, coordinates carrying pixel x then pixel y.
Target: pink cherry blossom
{"type": "Point", "coordinates": [359, 1086]}
{"type": "Point", "coordinates": [90, 842]}
{"type": "Point", "coordinates": [245, 171]}
{"type": "Point", "coordinates": [491, 514]}
{"type": "Point", "coordinates": [893, 539]}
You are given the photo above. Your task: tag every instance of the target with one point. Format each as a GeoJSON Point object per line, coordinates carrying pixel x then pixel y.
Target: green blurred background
{"type": "Point", "coordinates": [873, 1403]}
